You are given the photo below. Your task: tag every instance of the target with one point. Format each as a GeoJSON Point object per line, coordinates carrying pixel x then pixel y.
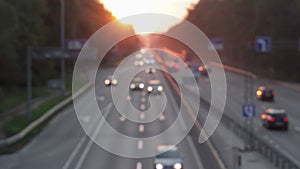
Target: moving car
{"type": "Point", "coordinates": [150, 70]}
{"type": "Point", "coordinates": [137, 84]}
{"type": "Point", "coordinates": [203, 70]}
{"type": "Point", "coordinates": [275, 118]}
{"type": "Point", "coordinates": [110, 80]}
{"type": "Point", "coordinates": [168, 158]}
{"type": "Point", "coordinates": [265, 93]}
{"type": "Point", "coordinates": [154, 87]}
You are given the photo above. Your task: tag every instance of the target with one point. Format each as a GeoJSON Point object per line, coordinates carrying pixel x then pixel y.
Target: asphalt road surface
{"type": "Point", "coordinates": [64, 145]}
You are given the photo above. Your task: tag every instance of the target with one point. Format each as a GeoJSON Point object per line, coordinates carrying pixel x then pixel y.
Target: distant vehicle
{"type": "Point", "coordinates": [199, 69]}
{"type": "Point", "coordinates": [137, 84]}
{"type": "Point", "coordinates": [138, 63]}
{"type": "Point", "coordinates": [168, 158]}
{"type": "Point", "coordinates": [149, 61]}
{"type": "Point", "coordinates": [154, 87]}
{"type": "Point", "coordinates": [110, 80]}
{"type": "Point", "coordinates": [150, 70]}
{"type": "Point", "coordinates": [275, 118]}
{"type": "Point", "coordinates": [203, 70]}
{"type": "Point", "coordinates": [265, 93]}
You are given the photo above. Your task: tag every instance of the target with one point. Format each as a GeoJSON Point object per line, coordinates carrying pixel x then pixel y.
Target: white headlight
{"type": "Point", "coordinates": [114, 81]}
{"type": "Point", "coordinates": [132, 86]}
{"type": "Point", "coordinates": [147, 70]}
{"type": "Point", "coordinates": [160, 88]}
{"type": "Point", "coordinates": [149, 88]}
{"type": "Point", "coordinates": [159, 166]}
{"type": "Point", "coordinates": [141, 85]}
{"type": "Point", "coordinates": [106, 82]}
{"type": "Point", "coordinates": [177, 166]}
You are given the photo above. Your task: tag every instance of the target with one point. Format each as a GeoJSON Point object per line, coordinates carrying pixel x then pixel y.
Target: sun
{"type": "Point", "coordinates": [124, 8]}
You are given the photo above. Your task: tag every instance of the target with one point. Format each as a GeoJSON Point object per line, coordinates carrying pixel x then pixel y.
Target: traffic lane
{"type": "Point", "coordinates": [51, 147]}
{"type": "Point", "coordinates": [54, 145]}
{"type": "Point", "coordinates": [287, 140]}
{"type": "Point", "coordinates": [89, 163]}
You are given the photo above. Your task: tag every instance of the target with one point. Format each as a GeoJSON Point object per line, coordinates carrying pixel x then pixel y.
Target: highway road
{"type": "Point", "coordinates": [285, 97]}
{"type": "Point", "coordinates": [64, 145]}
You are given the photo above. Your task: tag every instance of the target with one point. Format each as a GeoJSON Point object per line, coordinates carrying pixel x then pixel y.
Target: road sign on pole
{"type": "Point", "coordinates": [216, 44]}
{"type": "Point", "coordinates": [263, 44]}
{"type": "Point", "coordinates": [249, 110]}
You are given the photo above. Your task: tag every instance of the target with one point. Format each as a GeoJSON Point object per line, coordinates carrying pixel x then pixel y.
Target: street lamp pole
{"type": "Point", "coordinates": [62, 43]}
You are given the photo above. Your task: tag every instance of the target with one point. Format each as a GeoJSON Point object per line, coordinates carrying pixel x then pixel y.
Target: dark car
{"type": "Point", "coordinates": [265, 93]}
{"type": "Point", "coordinates": [168, 158]}
{"type": "Point", "coordinates": [110, 80]}
{"type": "Point", "coordinates": [137, 84]}
{"type": "Point", "coordinates": [275, 118]}
{"type": "Point", "coordinates": [203, 70]}
{"type": "Point", "coordinates": [154, 87]}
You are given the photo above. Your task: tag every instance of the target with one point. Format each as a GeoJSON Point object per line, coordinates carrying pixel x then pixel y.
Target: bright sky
{"type": "Point", "coordinates": [123, 8]}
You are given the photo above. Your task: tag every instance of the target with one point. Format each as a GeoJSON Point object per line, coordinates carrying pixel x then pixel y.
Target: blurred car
{"type": "Point", "coordinates": [138, 63]}
{"type": "Point", "coordinates": [149, 61]}
{"type": "Point", "coordinates": [154, 87]}
{"type": "Point", "coordinates": [275, 118]}
{"type": "Point", "coordinates": [137, 84]}
{"type": "Point", "coordinates": [110, 80]}
{"type": "Point", "coordinates": [150, 70]}
{"type": "Point", "coordinates": [265, 93]}
{"type": "Point", "coordinates": [168, 158]}
{"type": "Point", "coordinates": [203, 70]}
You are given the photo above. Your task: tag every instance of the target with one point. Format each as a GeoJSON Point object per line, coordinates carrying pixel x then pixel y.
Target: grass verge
{"type": "Point", "coordinates": [18, 123]}
{"type": "Point", "coordinates": [19, 96]}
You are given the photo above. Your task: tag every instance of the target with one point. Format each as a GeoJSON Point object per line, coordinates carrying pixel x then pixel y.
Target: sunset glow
{"type": "Point", "coordinates": [125, 8]}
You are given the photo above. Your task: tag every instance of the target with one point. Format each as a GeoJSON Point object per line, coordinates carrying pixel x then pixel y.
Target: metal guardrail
{"type": "Point", "coordinates": [280, 160]}
{"type": "Point", "coordinates": [17, 137]}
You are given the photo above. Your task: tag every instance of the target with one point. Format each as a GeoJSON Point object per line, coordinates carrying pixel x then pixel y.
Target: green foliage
{"type": "Point", "coordinates": [239, 22]}
{"type": "Point", "coordinates": [36, 23]}
{"type": "Point", "coordinates": [18, 123]}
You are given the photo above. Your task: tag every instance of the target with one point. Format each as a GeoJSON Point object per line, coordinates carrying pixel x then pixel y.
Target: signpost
{"type": "Point", "coordinates": [263, 44]}
{"type": "Point", "coordinates": [216, 44]}
{"type": "Point", "coordinates": [249, 110]}
{"type": "Point", "coordinates": [75, 44]}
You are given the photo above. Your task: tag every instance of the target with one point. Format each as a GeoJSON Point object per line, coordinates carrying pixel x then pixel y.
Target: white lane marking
{"type": "Point", "coordinates": [141, 128]}
{"type": "Point", "coordinates": [142, 116]}
{"type": "Point", "coordinates": [90, 143]}
{"type": "Point", "coordinates": [297, 129]}
{"type": "Point", "coordinates": [143, 99]}
{"type": "Point", "coordinates": [101, 98]}
{"type": "Point", "coordinates": [122, 118]}
{"type": "Point", "coordinates": [162, 117]}
{"type": "Point", "coordinates": [74, 153]}
{"type": "Point", "coordinates": [140, 144]}
{"type": "Point", "coordinates": [139, 165]}
{"type": "Point", "coordinates": [143, 94]}
{"type": "Point", "coordinates": [195, 153]}
{"type": "Point", "coordinates": [86, 119]}
{"type": "Point", "coordinates": [128, 97]}
{"type": "Point", "coordinates": [143, 106]}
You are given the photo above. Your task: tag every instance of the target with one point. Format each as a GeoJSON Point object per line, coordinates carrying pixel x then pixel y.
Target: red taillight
{"type": "Point", "coordinates": [271, 119]}
{"type": "Point", "coordinates": [273, 93]}
{"type": "Point", "coordinates": [285, 119]}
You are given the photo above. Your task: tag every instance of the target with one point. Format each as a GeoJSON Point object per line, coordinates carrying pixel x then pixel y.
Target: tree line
{"type": "Point", "coordinates": [239, 22]}
{"type": "Point", "coordinates": [36, 23]}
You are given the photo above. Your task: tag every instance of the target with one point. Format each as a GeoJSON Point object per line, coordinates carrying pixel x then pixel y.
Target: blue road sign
{"type": "Point", "coordinates": [249, 110]}
{"type": "Point", "coordinates": [217, 44]}
{"type": "Point", "coordinates": [196, 70]}
{"type": "Point", "coordinates": [75, 44]}
{"type": "Point", "coordinates": [263, 44]}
